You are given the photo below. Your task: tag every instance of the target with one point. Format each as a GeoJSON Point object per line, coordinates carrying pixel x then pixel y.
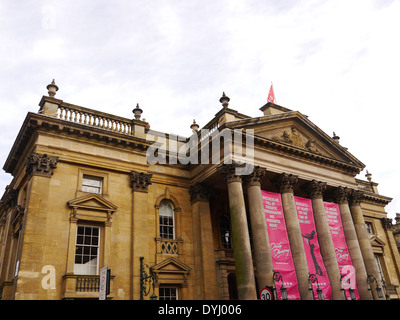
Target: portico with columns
{"type": "Point", "coordinates": [306, 163]}
{"type": "Point", "coordinates": [200, 227]}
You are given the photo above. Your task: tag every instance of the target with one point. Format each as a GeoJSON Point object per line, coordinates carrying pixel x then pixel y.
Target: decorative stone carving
{"type": "Point", "coordinates": [286, 182]}
{"type": "Point", "coordinates": [255, 177]}
{"type": "Point", "coordinates": [355, 197]}
{"type": "Point", "coordinates": [316, 189]}
{"type": "Point", "coordinates": [228, 171]}
{"type": "Point", "coordinates": [198, 192]}
{"type": "Point", "coordinates": [140, 181]}
{"type": "Point", "coordinates": [341, 194]}
{"type": "Point", "coordinates": [387, 223]}
{"type": "Point", "coordinates": [41, 165]}
{"type": "Point", "coordinates": [17, 220]}
{"type": "Point", "coordinates": [295, 139]}
{"type": "Point", "coordinates": [9, 198]}
{"type": "Point", "coordinates": [310, 146]}
{"type": "Point", "coordinates": [292, 138]}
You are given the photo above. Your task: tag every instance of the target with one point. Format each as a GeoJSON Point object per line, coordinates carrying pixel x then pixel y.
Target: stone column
{"type": "Point", "coordinates": [316, 190]}
{"type": "Point", "coordinates": [240, 233]}
{"type": "Point", "coordinates": [139, 183]}
{"type": "Point", "coordinates": [261, 247]}
{"type": "Point", "coordinates": [206, 273]}
{"type": "Point", "coordinates": [341, 195]}
{"type": "Point", "coordinates": [286, 183]}
{"type": "Point", "coordinates": [363, 239]}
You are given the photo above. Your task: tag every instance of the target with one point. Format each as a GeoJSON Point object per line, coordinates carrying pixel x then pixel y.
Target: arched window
{"type": "Point", "coordinates": [225, 230]}
{"type": "Point", "coordinates": [167, 223]}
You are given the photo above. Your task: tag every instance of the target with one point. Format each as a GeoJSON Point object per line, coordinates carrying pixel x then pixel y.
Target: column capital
{"type": "Point", "coordinates": [286, 182]}
{"type": "Point", "coordinates": [140, 181]}
{"type": "Point", "coordinates": [255, 177]}
{"type": "Point", "coordinates": [41, 164]}
{"type": "Point", "coordinates": [387, 224]}
{"type": "Point", "coordinates": [228, 171]}
{"type": "Point", "coordinates": [341, 194]}
{"type": "Point", "coordinates": [355, 197]}
{"type": "Point", "coordinates": [199, 192]}
{"type": "Point", "coordinates": [316, 189]}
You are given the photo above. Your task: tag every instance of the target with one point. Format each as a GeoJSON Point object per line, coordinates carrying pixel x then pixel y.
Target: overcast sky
{"type": "Point", "coordinates": [335, 61]}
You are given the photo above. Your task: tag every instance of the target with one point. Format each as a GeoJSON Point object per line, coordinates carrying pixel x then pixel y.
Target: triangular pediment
{"type": "Point", "coordinates": [94, 202]}
{"type": "Point", "coordinates": [376, 241]}
{"type": "Point", "coordinates": [171, 265]}
{"type": "Point", "coordinates": [297, 133]}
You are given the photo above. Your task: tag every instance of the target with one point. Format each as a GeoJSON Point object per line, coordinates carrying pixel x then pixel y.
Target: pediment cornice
{"type": "Point", "coordinates": [292, 133]}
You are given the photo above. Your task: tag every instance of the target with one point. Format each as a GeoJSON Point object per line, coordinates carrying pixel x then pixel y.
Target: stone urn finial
{"type": "Point", "coordinates": [52, 89]}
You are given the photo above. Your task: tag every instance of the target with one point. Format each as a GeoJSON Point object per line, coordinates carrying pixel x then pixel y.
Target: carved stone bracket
{"type": "Point", "coordinates": [254, 178]}
{"type": "Point", "coordinates": [41, 165]}
{"type": "Point", "coordinates": [140, 181]}
{"type": "Point", "coordinates": [286, 182]}
{"type": "Point", "coordinates": [316, 189]}
{"type": "Point", "coordinates": [199, 192]}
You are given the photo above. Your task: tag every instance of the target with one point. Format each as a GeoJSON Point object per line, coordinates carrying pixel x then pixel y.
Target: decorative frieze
{"type": "Point", "coordinates": [41, 165]}
{"type": "Point", "coordinates": [286, 182]}
{"type": "Point", "coordinates": [140, 181]}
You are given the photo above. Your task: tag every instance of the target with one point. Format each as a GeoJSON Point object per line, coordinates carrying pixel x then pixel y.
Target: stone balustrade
{"type": "Point", "coordinates": [94, 118]}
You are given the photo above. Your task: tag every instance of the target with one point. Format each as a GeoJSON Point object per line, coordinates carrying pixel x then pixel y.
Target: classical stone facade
{"type": "Point", "coordinates": [84, 196]}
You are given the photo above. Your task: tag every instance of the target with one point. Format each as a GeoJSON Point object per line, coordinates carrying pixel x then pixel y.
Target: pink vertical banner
{"type": "Point", "coordinates": [311, 247]}
{"type": "Point", "coordinates": [279, 243]}
{"type": "Point", "coordinates": [342, 252]}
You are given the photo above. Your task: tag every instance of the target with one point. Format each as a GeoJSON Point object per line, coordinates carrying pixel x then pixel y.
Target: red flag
{"type": "Point", "coordinates": [271, 96]}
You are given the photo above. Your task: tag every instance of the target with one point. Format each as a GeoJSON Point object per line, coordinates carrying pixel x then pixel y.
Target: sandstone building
{"type": "Point", "coordinates": [84, 196]}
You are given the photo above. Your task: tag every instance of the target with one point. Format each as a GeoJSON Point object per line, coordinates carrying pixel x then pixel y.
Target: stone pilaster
{"type": "Point", "coordinates": [341, 198]}
{"type": "Point", "coordinates": [316, 190]}
{"type": "Point", "coordinates": [206, 274]}
{"type": "Point", "coordinates": [39, 169]}
{"type": "Point", "coordinates": [240, 234]}
{"type": "Point", "coordinates": [140, 226]}
{"type": "Point", "coordinates": [355, 198]}
{"type": "Point", "coordinates": [261, 248]}
{"type": "Point", "coordinates": [286, 183]}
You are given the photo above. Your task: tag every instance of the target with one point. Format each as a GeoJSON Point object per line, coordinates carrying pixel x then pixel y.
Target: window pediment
{"type": "Point", "coordinates": [376, 241]}
{"type": "Point", "coordinates": [172, 271]}
{"type": "Point", "coordinates": [92, 207]}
